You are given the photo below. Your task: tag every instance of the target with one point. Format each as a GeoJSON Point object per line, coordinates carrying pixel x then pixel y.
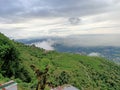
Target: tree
{"type": "Point", "coordinates": [8, 57]}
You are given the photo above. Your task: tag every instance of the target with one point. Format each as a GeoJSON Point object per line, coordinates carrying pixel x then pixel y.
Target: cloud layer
{"type": "Point", "coordinates": [34, 18]}
{"type": "Point", "coordinates": [94, 54]}
{"type": "Point", "coordinates": [47, 45]}
{"type": "Point", "coordinates": [78, 41]}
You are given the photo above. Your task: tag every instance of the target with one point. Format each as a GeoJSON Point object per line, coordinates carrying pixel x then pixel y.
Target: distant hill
{"type": "Point", "coordinates": [81, 71]}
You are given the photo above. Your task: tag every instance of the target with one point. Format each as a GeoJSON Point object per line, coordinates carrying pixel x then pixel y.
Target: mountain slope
{"type": "Point", "coordinates": [81, 71]}
{"type": "Point", "coordinates": [59, 44]}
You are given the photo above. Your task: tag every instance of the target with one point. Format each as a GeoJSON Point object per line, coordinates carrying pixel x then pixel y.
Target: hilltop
{"type": "Point", "coordinates": [81, 71]}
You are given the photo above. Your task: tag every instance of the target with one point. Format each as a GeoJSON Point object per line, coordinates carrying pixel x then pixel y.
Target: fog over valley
{"type": "Point", "coordinates": [76, 40]}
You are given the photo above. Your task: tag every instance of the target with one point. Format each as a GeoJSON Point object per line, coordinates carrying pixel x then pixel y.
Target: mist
{"type": "Point", "coordinates": [48, 43]}
{"type": "Point", "coordinates": [91, 40]}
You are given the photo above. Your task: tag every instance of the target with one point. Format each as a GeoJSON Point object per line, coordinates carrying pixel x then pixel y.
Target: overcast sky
{"type": "Point", "coordinates": [33, 18]}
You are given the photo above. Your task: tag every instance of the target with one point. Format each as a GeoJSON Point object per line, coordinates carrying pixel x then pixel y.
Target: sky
{"type": "Point", "coordinates": [21, 19]}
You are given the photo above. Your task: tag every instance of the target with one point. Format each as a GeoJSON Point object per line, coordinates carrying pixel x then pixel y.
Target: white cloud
{"type": "Point", "coordinates": [36, 18]}
{"type": "Point", "coordinates": [47, 45]}
{"type": "Point", "coordinates": [94, 54]}
{"type": "Point", "coordinates": [91, 40]}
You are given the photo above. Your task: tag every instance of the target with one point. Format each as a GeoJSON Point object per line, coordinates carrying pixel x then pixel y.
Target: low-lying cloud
{"type": "Point", "coordinates": [91, 40]}
{"type": "Point", "coordinates": [80, 41]}
{"type": "Point", "coordinates": [94, 54]}
{"type": "Point", "coordinates": [47, 45]}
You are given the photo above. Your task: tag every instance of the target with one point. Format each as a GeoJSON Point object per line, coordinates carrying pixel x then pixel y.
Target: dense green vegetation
{"type": "Point", "coordinates": [88, 73]}
{"type": "Point", "coordinates": [10, 61]}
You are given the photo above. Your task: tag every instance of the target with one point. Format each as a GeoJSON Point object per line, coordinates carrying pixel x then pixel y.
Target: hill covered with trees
{"type": "Point", "coordinates": [83, 72]}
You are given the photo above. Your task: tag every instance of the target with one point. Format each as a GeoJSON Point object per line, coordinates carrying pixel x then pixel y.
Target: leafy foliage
{"type": "Point", "coordinates": [84, 72]}
{"type": "Point", "coordinates": [10, 61]}
{"type": "Point", "coordinates": [8, 56]}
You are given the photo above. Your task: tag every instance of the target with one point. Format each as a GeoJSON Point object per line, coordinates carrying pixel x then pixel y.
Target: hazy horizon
{"type": "Point", "coordinates": [87, 22]}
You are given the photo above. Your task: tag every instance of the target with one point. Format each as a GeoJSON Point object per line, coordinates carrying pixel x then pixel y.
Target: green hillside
{"type": "Point", "coordinates": [83, 72]}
